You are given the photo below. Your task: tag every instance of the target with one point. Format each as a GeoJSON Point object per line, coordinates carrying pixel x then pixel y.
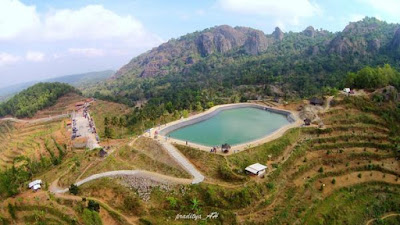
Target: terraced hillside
{"type": "Point", "coordinates": [346, 173]}
{"type": "Point", "coordinates": [32, 140]}
{"type": "Point", "coordinates": [353, 154]}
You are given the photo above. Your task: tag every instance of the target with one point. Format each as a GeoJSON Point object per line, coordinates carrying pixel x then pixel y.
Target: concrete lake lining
{"type": "Point", "coordinates": [292, 119]}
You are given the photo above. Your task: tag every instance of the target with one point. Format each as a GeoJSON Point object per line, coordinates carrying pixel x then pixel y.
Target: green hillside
{"type": "Point", "coordinates": [37, 97]}
{"type": "Point", "coordinates": [79, 81]}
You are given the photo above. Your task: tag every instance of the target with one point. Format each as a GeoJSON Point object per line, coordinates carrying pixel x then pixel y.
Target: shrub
{"type": "Point", "coordinates": [321, 170]}
{"type": "Point", "coordinates": [173, 202]}
{"type": "Point", "coordinates": [270, 185]}
{"type": "Point", "coordinates": [333, 181]}
{"type": "Point", "coordinates": [359, 175]}
{"type": "Point", "coordinates": [93, 205]}
{"type": "Point", "coordinates": [73, 189]}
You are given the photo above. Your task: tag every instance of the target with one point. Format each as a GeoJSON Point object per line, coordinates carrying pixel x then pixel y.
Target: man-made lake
{"type": "Point", "coordinates": [232, 126]}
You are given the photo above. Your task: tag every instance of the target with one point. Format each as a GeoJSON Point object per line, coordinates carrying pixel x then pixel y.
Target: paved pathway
{"type": "Point", "coordinates": [172, 151]}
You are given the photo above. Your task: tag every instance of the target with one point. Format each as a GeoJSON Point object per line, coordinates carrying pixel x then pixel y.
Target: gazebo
{"type": "Point", "coordinates": [225, 148]}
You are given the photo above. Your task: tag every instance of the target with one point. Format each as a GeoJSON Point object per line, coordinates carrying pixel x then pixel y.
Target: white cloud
{"type": "Point", "coordinates": [92, 22]}
{"type": "Point", "coordinates": [88, 52]}
{"type": "Point", "coordinates": [16, 18]}
{"type": "Point", "coordinates": [34, 56]}
{"type": "Point", "coordinates": [7, 59]}
{"type": "Point", "coordinates": [290, 11]}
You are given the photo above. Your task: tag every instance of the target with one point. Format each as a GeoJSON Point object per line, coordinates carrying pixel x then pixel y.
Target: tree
{"type": "Point", "coordinates": [121, 122]}
{"type": "Point", "coordinates": [114, 120]}
{"type": "Point", "coordinates": [210, 104]}
{"type": "Point", "coordinates": [73, 189]}
{"type": "Point", "coordinates": [321, 170]}
{"type": "Point", "coordinates": [11, 211]}
{"type": "Point", "coordinates": [93, 205]}
{"type": "Point", "coordinates": [185, 113]}
{"type": "Point", "coordinates": [199, 108]}
{"type": "Point", "coordinates": [107, 132]}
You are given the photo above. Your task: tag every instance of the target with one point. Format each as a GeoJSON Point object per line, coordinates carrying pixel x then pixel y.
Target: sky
{"type": "Point", "coordinates": [42, 39]}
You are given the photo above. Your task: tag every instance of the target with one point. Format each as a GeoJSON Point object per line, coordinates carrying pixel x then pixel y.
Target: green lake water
{"type": "Point", "coordinates": [232, 126]}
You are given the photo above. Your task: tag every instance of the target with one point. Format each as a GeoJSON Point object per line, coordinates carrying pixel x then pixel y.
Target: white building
{"type": "Point", "coordinates": [256, 169]}
{"type": "Point", "coordinates": [347, 90]}
{"type": "Point", "coordinates": [35, 185]}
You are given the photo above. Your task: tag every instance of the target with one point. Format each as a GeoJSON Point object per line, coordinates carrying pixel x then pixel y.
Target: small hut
{"type": "Point", "coordinates": [307, 122]}
{"type": "Point", "coordinates": [35, 185]}
{"type": "Point", "coordinates": [316, 101]}
{"type": "Point", "coordinates": [225, 148]}
{"type": "Point", "coordinates": [256, 169]}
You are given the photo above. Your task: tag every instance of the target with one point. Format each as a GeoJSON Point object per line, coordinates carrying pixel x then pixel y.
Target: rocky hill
{"type": "Point", "coordinates": [227, 57]}
{"type": "Point", "coordinates": [176, 55]}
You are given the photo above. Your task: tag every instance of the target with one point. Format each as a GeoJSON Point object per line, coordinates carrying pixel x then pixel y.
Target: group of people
{"type": "Point", "coordinates": [213, 150]}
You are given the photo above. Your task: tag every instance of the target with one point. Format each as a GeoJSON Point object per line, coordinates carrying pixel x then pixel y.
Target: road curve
{"type": "Point", "coordinates": [139, 173]}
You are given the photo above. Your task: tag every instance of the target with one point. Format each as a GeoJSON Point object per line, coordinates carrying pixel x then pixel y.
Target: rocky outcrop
{"type": "Point", "coordinates": [395, 43]}
{"type": "Point", "coordinates": [205, 44]}
{"type": "Point", "coordinates": [256, 42]}
{"type": "Point", "coordinates": [309, 32]}
{"type": "Point", "coordinates": [178, 55]}
{"type": "Point", "coordinates": [278, 34]}
{"type": "Point", "coordinates": [225, 38]}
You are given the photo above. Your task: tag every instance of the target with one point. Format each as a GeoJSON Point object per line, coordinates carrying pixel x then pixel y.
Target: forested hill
{"type": "Point", "coordinates": [226, 61]}
{"type": "Point", "coordinates": [29, 101]}
{"type": "Point", "coordinates": [79, 81]}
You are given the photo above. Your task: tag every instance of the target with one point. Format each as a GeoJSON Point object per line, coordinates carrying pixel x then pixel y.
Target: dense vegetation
{"type": "Point", "coordinates": [371, 78]}
{"type": "Point", "coordinates": [297, 65]}
{"type": "Point", "coordinates": [28, 102]}
{"type": "Point", "coordinates": [79, 81]}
